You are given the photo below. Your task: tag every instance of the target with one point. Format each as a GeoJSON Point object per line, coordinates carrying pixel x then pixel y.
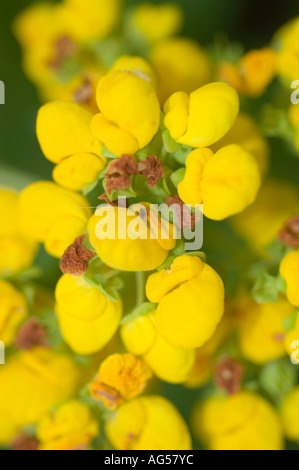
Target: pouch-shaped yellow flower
{"type": "Point", "coordinates": [156, 22]}
{"type": "Point", "coordinates": [244, 421]}
{"type": "Point", "coordinates": [184, 61]}
{"type": "Point", "coordinates": [63, 129]}
{"type": "Point", "coordinates": [92, 20]}
{"type": "Point", "coordinates": [261, 333]}
{"type": "Point", "coordinates": [191, 302]}
{"type": "Point", "coordinates": [148, 423]}
{"type": "Point", "coordinates": [130, 112]}
{"type": "Point", "coordinates": [17, 250]}
{"type": "Point", "coordinates": [70, 427]}
{"type": "Point", "coordinates": [13, 310]}
{"type": "Point", "coordinates": [123, 240]}
{"type": "Point", "coordinates": [204, 117]}
{"type": "Point", "coordinates": [289, 415]}
{"type": "Point", "coordinates": [170, 364]}
{"type": "Point", "coordinates": [225, 182]}
{"type": "Point", "coordinates": [34, 381]}
{"type": "Point", "coordinates": [87, 318]}
{"type": "Point", "coordinates": [289, 270]}
{"type": "Point", "coordinates": [260, 224]}
{"type": "Point", "coordinates": [52, 215]}
{"type": "Point", "coordinates": [246, 133]}
{"type": "Point", "coordinates": [139, 334]}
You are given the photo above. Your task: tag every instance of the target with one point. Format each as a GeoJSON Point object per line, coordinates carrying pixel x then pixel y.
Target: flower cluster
{"type": "Point", "coordinates": [135, 117]}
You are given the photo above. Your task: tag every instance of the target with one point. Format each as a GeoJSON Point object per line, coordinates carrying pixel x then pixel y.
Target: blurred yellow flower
{"type": "Point", "coordinates": [184, 61]}
{"type": "Point", "coordinates": [260, 224]}
{"type": "Point", "coordinates": [289, 415]}
{"type": "Point", "coordinates": [148, 423]}
{"type": "Point", "coordinates": [289, 270]}
{"type": "Point", "coordinates": [245, 132]}
{"type": "Point", "coordinates": [13, 310]}
{"type": "Point", "coordinates": [261, 333]}
{"type": "Point", "coordinates": [244, 421]}
{"type": "Point", "coordinates": [70, 427]}
{"type": "Point", "coordinates": [17, 250]}
{"type": "Point", "coordinates": [156, 22]}
{"type": "Point", "coordinates": [34, 381]}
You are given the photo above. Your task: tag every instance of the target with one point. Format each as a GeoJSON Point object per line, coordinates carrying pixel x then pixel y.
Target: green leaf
{"type": "Point", "coordinates": [278, 378]}
{"type": "Point", "coordinates": [170, 144]}
{"type": "Point", "coordinates": [182, 154]}
{"type": "Point", "coordinates": [267, 288]}
{"type": "Point", "coordinates": [89, 187]}
{"type": "Point", "coordinates": [289, 323]}
{"type": "Point", "coordinates": [178, 176]}
{"type": "Point", "coordinates": [106, 153]}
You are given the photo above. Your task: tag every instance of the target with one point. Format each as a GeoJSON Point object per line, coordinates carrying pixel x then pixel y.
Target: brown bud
{"type": "Point", "coordinates": [31, 334]}
{"type": "Point", "coordinates": [75, 259]}
{"type": "Point", "coordinates": [289, 235]}
{"type": "Point", "coordinates": [25, 442]}
{"type": "Point", "coordinates": [228, 375]}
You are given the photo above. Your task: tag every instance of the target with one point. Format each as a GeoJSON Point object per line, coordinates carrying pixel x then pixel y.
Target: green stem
{"type": "Point", "coordinates": [140, 297]}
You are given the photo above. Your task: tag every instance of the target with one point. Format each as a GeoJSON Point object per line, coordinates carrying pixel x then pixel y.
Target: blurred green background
{"type": "Point", "coordinates": [251, 22]}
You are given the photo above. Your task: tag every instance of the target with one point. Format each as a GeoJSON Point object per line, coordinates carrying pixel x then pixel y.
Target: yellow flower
{"type": "Point", "coordinates": [77, 171]}
{"type": "Point", "coordinates": [37, 24]}
{"type": "Point", "coordinates": [184, 61]}
{"type": "Point", "coordinates": [139, 334]}
{"type": "Point", "coordinates": [289, 270]}
{"type": "Point", "coordinates": [120, 377]}
{"type": "Point", "coordinates": [244, 421]}
{"type": "Point", "coordinates": [130, 112]}
{"type": "Point", "coordinates": [63, 130]}
{"type": "Point", "coordinates": [156, 22]}
{"type": "Point", "coordinates": [70, 427]}
{"type": "Point", "coordinates": [13, 310]}
{"type": "Point", "coordinates": [168, 363]}
{"type": "Point", "coordinates": [191, 302]}
{"type": "Point", "coordinates": [291, 337]}
{"type": "Point", "coordinates": [246, 133]}
{"type": "Point", "coordinates": [87, 318]}
{"type": "Point", "coordinates": [286, 41]}
{"type": "Point", "coordinates": [257, 70]}
{"type": "Point", "coordinates": [52, 215]}
{"type": "Point", "coordinates": [276, 202]}
{"type": "Point", "coordinates": [140, 337]}
{"type": "Point", "coordinates": [225, 182]}
{"type": "Point", "coordinates": [289, 415]}
{"type": "Point", "coordinates": [126, 250]}
{"type": "Point", "coordinates": [261, 333]}
{"type": "Point", "coordinates": [204, 117]}
{"type": "Point", "coordinates": [294, 118]}
{"type": "Point", "coordinates": [34, 381]}
{"type": "Point", "coordinates": [148, 423]}
{"type": "Point", "coordinates": [17, 251]}
{"type": "Point", "coordinates": [92, 20]}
